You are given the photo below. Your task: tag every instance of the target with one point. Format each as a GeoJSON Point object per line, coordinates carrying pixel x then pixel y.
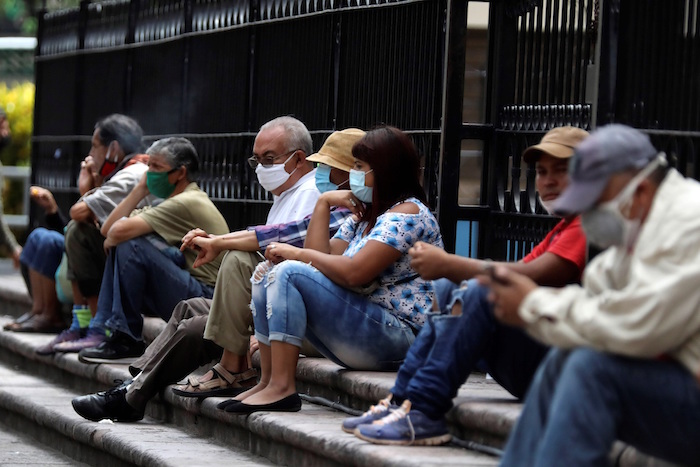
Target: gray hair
{"type": "Point", "coordinates": [177, 152]}
{"type": "Point", "coordinates": [298, 136]}
{"type": "Point", "coordinates": [124, 130]}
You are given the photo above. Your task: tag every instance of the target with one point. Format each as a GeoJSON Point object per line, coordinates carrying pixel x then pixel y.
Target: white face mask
{"type": "Point", "coordinates": [273, 177]}
{"type": "Point", "coordinates": [605, 226]}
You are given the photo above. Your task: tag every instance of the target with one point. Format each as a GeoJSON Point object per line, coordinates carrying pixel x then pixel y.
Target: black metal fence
{"type": "Point", "coordinates": [215, 70]}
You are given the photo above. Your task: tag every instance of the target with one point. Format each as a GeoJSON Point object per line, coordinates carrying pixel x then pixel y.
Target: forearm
{"type": "Point", "coordinates": [317, 236]}
{"type": "Point", "coordinates": [80, 212]}
{"type": "Point", "coordinates": [124, 208]}
{"type": "Point", "coordinates": [337, 268]}
{"type": "Point", "coordinates": [458, 268]}
{"type": "Point", "coordinates": [242, 240]}
{"type": "Point", "coordinates": [85, 181]}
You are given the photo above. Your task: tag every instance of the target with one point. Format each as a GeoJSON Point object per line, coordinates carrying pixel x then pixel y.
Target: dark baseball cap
{"type": "Point", "coordinates": [609, 150]}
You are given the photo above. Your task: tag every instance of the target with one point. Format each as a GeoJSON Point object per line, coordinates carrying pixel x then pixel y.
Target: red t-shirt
{"type": "Point", "coordinates": [565, 240]}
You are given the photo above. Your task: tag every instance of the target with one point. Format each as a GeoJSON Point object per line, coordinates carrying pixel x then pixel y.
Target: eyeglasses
{"type": "Point", "coordinates": [267, 162]}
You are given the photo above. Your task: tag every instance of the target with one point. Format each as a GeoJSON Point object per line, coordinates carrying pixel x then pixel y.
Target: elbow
{"type": "Point", "coordinates": [357, 279]}
{"type": "Point", "coordinates": [75, 213]}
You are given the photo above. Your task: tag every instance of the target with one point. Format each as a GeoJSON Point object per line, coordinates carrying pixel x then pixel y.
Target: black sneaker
{"type": "Point", "coordinates": [118, 348]}
{"type": "Point", "coordinates": [110, 404]}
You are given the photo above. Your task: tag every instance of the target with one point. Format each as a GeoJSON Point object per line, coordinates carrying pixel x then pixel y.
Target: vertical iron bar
{"type": "Point", "coordinates": [452, 99]}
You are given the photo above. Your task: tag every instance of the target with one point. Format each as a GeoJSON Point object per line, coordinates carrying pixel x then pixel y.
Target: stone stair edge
{"type": "Point", "coordinates": [464, 414]}
{"type": "Point", "coordinates": [335, 445]}
{"type": "Point", "coordinates": [118, 443]}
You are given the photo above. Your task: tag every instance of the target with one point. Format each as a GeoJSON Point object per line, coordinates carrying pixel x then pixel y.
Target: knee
{"type": "Point", "coordinates": [129, 247]}
{"type": "Point", "coordinates": [286, 270]}
{"type": "Point", "coordinates": [234, 264]}
{"type": "Point", "coordinates": [584, 363]}
{"type": "Point", "coordinates": [191, 330]}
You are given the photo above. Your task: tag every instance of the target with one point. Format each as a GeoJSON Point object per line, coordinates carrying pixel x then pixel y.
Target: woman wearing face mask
{"type": "Point", "coordinates": [323, 292]}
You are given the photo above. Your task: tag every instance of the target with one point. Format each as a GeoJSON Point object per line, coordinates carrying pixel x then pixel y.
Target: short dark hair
{"type": "Point", "coordinates": [395, 162]}
{"type": "Point", "coordinates": [178, 152]}
{"type": "Point", "coordinates": [124, 130]}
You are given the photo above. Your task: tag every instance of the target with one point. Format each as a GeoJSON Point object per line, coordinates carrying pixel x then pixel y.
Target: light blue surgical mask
{"type": "Point", "coordinates": [357, 185]}
{"type": "Point", "coordinates": [323, 179]}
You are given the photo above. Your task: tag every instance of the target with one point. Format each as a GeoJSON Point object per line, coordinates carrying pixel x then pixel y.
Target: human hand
{"type": "Point", "coordinates": [428, 260]}
{"type": "Point", "coordinates": [507, 291]}
{"type": "Point", "coordinates": [343, 198]}
{"type": "Point", "coordinates": [207, 250]}
{"type": "Point", "coordinates": [189, 236]}
{"type": "Point", "coordinates": [15, 257]}
{"type": "Point", "coordinates": [276, 252]}
{"type": "Point", "coordinates": [108, 245]}
{"type": "Point", "coordinates": [43, 198]}
{"type": "Point", "coordinates": [143, 183]}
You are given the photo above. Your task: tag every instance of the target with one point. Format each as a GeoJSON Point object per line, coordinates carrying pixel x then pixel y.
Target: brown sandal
{"type": "Point", "coordinates": [223, 383]}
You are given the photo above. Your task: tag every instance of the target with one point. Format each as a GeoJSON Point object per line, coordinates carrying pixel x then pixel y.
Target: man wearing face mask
{"type": "Point", "coordinates": [145, 269]}
{"type": "Point", "coordinates": [628, 338]}
{"type": "Point", "coordinates": [183, 346]}
{"type": "Point", "coordinates": [451, 344]}
{"type": "Point", "coordinates": [108, 173]}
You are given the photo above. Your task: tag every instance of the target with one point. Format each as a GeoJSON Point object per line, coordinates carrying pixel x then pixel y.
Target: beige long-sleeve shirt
{"type": "Point", "coordinates": [641, 304]}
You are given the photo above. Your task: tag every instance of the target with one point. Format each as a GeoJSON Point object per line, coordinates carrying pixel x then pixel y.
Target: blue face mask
{"type": "Point", "coordinates": [357, 185]}
{"type": "Point", "coordinates": [323, 179]}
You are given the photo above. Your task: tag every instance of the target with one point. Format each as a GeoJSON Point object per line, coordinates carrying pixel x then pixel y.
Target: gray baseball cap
{"type": "Point", "coordinates": [609, 150]}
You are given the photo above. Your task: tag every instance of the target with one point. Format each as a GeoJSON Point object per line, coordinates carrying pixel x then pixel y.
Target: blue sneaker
{"type": "Point", "coordinates": [404, 426]}
{"type": "Point", "coordinates": [375, 412]}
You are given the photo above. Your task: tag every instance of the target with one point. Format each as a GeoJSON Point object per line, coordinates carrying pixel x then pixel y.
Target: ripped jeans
{"type": "Point", "coordinates": [448, 349]}
{"type": "Point", "coordinates": [294, 300]}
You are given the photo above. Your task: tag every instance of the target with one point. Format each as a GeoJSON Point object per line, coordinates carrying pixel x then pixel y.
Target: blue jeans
{"type": "Point", "coordinates": [43, 251]}
{"type": "Point", "coordinates": [139, 278]}
{"type": "Point", "coordinates": [295, 300]}
{"type": "Point", "coordinates": [448, 349]}
{"type": "Point", "coordinates": [582, 400]}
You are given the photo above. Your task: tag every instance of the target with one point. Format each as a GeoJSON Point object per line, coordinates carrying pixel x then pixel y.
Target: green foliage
{"type": "Point", "coordinates": [18, 102]}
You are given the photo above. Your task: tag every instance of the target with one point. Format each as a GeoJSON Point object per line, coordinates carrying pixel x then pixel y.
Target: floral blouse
{"type": "Point", "coordinates": [401, 290]}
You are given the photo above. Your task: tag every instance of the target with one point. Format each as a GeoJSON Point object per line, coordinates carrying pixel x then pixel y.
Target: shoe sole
{"type": "Point", "coordinates": [99, 419]}
{"type": "Point", "coordinates": [123, 360]}
{"type": "Point", "coordinates": [432, 441]}
{"type": "Point", "coordinates": [227, 392]}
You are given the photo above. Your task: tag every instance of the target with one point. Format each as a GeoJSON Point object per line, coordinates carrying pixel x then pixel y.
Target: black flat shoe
{"type": "Point", "coordinates": [291, 403]}
{"type": "Point", "coordinates": [226, 403]}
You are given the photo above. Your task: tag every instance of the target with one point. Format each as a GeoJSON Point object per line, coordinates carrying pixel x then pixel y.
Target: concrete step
{"type": "Point", "coordinates": [483, 414]}
{"type": "Point", "coordinates": [36, 391]}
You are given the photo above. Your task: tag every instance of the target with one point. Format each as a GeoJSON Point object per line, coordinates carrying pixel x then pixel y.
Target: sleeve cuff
{"type": "Point", "coordinates": [534, 306]}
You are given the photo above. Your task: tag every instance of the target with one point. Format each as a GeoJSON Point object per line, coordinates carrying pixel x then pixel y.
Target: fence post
{"type": "Point", "coordinates": [606, 54]}
{"type": "Point", "coordinates": [450, 139]}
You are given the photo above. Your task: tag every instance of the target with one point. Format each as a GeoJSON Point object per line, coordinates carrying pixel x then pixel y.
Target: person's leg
{"type": "Point", "coordinates": [144, 279]}
{"type": "Point", "coordinates": [186, 309]}
{"type": "Point", "coordinates": [512, 358]}
{"type": "Point", "coordinates": [459, 343]}
{"type": "Point", "coordinates": [420, 349]}
{"type": "Point", "coordinates": [184, 352]}
{"type": "Point", "coordinates": [230, 320]}
{"type": "Point", "coordinates": [41, 257]}
{"type": "Point", "coordinates": [599, 397]}
{"type": "Point", "coordinates": [521, 448]}
{"type": "Point", "coordinates": [86, 259]}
